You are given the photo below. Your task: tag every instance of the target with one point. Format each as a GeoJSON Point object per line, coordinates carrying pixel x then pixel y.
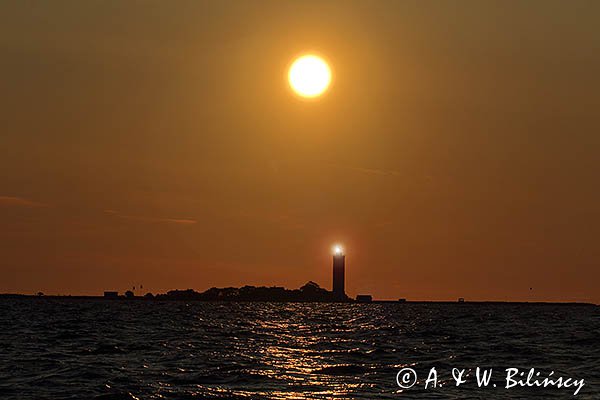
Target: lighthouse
{"type": "Point", "coordinates": [339, 265]}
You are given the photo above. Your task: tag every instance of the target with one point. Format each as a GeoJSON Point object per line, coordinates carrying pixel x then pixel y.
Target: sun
{"type": "Point", "coordinates": [309, 76]}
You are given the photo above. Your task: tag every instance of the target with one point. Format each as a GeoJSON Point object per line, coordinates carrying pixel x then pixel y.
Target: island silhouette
{"type": "Point", "coordinates": [311, 291]}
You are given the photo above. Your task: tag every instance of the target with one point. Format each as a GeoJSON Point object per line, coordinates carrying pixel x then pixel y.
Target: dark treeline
{"type": "Point", "coordinates": [309, 292]}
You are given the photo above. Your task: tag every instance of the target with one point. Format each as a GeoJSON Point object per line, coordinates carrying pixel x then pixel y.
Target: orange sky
{"type": "Point", "coordinates": [456, 154]}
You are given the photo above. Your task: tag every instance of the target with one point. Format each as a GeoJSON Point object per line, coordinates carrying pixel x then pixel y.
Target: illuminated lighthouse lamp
{"type": "Point", "coordinates": [337, 250]}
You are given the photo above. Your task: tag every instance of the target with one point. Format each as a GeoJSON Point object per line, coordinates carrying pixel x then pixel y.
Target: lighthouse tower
{"type": "Point", "coordinates": [339, 265]}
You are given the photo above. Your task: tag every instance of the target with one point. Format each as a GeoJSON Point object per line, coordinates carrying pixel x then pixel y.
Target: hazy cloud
{"type": "Point", "coordinates": [371, 171]}
{"type": "Point", "coordinates": [19, 202]}
{"type": "Point", "coordinates": [181, 221]}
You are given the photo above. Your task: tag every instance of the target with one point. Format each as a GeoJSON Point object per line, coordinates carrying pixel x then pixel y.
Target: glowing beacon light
{"type": "Point", "coordinates": [337, 250]}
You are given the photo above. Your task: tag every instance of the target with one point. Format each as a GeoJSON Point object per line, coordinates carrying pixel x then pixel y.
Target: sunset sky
{"type": "Point", "coordinates": [455, 154]}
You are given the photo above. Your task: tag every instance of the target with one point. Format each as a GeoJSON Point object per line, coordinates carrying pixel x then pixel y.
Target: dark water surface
{"type": "Point", "coordinates": [96, 349]}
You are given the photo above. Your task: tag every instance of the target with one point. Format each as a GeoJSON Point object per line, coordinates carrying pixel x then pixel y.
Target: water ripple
{"type": "Point", "coordinates": [94, 349]}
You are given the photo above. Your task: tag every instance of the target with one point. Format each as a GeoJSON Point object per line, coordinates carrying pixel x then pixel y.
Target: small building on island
{"type": "Point", "coordinates": [364, 298]}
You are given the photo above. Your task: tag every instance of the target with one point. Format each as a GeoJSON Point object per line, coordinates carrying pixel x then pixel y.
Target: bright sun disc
{"type": "Point", "coordinates": [309, 76]}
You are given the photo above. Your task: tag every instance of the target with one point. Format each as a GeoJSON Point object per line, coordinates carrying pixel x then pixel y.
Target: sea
{"type": "Point", "coordinates": [53, 348]}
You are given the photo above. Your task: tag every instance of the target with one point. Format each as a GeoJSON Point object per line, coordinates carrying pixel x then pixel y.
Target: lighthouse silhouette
{"type": "Point", "coordinates": [339, 266]}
